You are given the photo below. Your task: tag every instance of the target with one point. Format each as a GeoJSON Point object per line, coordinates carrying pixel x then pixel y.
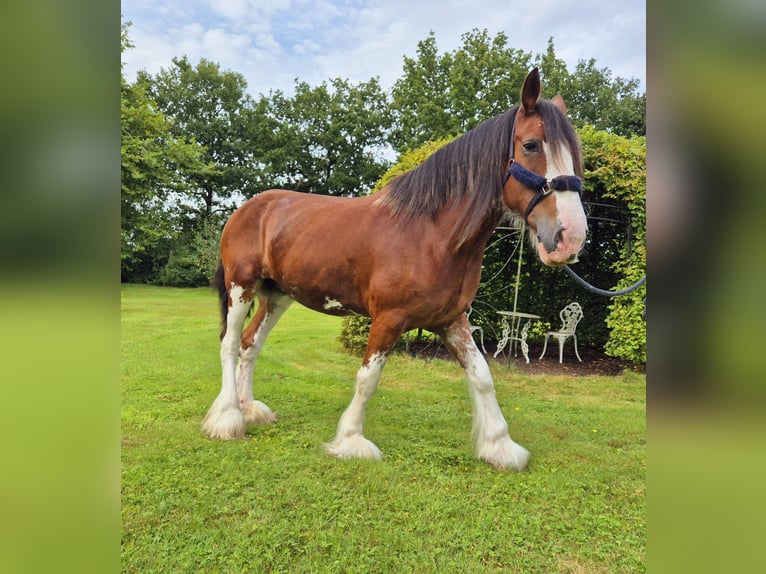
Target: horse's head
{"type": "Point", "coordinates": [543, 181]}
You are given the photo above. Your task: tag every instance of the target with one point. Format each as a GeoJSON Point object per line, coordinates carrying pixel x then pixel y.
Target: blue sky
{"type": "Point", "coordinates": [273, 42]}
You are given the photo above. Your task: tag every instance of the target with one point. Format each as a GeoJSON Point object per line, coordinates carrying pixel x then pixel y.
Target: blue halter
{"type": "Point", "coordinates": [538, 183]}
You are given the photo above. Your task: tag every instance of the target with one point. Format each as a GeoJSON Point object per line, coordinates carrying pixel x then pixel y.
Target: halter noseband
{"type": "Point", "coordinates": [536, 182]}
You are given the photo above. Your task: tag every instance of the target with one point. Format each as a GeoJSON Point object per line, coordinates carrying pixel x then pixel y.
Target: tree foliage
{"type": "Point", "coordinates": [194, 258]}
{"type": "Point", "coordinates": [155, 162]}
{"type": "Point", "coordinates": [328, 139]}
{"type": "Point", "coordinates": [442, 95]}
{"type": "Point", "coordinates": [618, 175]}
{"type": "Point", "coordinates": [593, 97]}
{"type": "Point", "coordinates": [210, 106]}
{"type": "Point", "coordinates": [447, 94]}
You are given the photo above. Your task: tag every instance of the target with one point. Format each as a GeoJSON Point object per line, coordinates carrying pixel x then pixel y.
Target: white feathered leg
{"type": "Point", "coordinates": [271, 307]}
{"type": "Point", "coordinates": [224, 420]}
{"type": "Point", "coordinates": [349, 441]}
{"type": "Point", "coordinates": [493, 443]}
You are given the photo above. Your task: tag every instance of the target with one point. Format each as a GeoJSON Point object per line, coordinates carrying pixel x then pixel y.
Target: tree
{"type": "Point", "coordinates": [593, 97]}
{"type": "Point", "coordinates": [154, 163]}
{"type": "Point", "coordinates": [442, 95]}
{"type": "Point", "coordinates": [421, 102]}
{"type": "Point", "coordinates": [485, 77]}
{"type": "Point", "coordinates": [445, 95]}
{"type": "Point", "coordinates": [553, 73]}
{"type": "Point", "coordinates": [329, 139]}
{"type": "Point", "coordinates": [210, 106]}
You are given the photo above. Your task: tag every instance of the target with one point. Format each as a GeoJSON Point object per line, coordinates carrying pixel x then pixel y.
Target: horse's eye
{"type": "Point", "coordinates": [530, 146]}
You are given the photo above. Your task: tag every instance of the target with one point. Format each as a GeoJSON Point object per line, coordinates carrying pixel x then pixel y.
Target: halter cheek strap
{"type": "Point", "coordinates": [538, 183]}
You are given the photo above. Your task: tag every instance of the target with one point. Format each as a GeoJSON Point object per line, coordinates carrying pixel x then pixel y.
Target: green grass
{"type": "Point", "coordinates": [276, 503]}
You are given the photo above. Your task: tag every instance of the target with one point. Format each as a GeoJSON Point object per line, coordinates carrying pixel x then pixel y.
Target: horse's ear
{"type": "Point", "coordinates": [530, 92]}
{"type": "Point", "coordinates": [558, 101]}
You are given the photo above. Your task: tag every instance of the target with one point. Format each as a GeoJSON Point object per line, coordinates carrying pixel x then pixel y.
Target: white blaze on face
{"type": "Point", "coordinates": [570, 211]}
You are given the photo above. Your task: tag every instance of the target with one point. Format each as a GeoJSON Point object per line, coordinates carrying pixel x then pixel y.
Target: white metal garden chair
{"type": "Point", "coordinates": [570, 316]}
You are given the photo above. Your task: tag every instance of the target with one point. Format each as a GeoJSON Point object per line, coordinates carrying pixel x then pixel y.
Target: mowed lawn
{"type": "Point", "coordinates": [276, 502]}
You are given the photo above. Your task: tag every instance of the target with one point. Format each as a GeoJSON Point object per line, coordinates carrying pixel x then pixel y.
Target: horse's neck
{"type": "Point", "coordinates": [469, 236]}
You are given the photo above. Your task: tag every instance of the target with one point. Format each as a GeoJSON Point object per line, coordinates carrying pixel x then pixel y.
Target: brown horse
{"type": "Point", "coordinates": [407, 257]}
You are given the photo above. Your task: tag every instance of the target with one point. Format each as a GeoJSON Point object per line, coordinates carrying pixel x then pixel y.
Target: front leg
{"type": "Point", "coordinates": [350, 441]}
{"type": "Point", "coordinates": [493, 443]}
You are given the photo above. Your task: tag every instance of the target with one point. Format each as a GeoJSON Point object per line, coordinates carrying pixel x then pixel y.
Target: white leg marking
{"type": "Point", "coordinates": [224, 420]}
{"type": "Point", "coordinates": [330, 304]}
{"type": "Point", "coordinates": [490, 431]}
{"type": "Point", "coordinates": [256, 412]}
{"type": "Point", "coordinates": [349, 441]}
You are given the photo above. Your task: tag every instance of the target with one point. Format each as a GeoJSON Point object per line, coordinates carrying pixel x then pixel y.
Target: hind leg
{"type": "Point", "coordinates": [271, 306]}
{"type": "Point", "coordinates": [224, 420]}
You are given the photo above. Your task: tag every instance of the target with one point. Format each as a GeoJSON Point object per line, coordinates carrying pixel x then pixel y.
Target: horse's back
{"type": "Point", "coordinates": [305, 243]}
{"type": "Point", "coordinates": [282, 215]}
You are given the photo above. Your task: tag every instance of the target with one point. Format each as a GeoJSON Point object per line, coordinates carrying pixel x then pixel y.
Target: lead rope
{"type": "Point", "coordinates": [603, 292]}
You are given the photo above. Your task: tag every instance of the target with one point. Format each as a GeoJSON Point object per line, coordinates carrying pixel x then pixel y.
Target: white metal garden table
{"type": "Point", "coordinates": [511, 333]}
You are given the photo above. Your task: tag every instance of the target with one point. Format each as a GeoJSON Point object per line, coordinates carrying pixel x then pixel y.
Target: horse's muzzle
{"type": "Point", "coordinates": [560, 256]}
{"type": "Point", "coordinates": [561, 246]}
{"type": "Point", "coordinates": [561, 237]}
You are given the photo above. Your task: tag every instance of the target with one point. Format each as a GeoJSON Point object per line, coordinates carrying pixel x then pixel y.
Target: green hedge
{"type": "Point", "coordinates": [618, 169]}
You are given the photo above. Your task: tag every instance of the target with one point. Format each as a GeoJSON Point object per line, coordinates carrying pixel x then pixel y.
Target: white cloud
{"type": "Point", "coordinates": [306, 48]}
{"type": "Point", "coordinates": [239, 10]}
{"type": "Point", "coordinates": [272, 42]}
{"type": "Point", "coordinates": [268, 43]}
{"type": "Point", "coordinates": [151, 52]}
{"type": "Point", "coordinates": [228, 46]}
{"type": "Point", "coordinates": [230, 9]}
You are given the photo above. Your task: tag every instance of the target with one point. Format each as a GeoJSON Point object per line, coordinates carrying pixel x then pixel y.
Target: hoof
{"type": "Point", "coordinates": [504, 453]}
{"type": "Point", "coordinates": [258, 413]}
{"type": "Point", "coordinates": [354, 446]}
{"type": "Point", "coordinates": [226, 424]}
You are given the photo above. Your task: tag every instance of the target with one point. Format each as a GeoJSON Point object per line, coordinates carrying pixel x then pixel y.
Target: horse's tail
{"type": "Point", "coordinates": [219, 283]}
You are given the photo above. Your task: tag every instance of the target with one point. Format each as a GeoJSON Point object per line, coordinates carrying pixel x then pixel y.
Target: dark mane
{"type": "Point", "coordinates": [473, 164]}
